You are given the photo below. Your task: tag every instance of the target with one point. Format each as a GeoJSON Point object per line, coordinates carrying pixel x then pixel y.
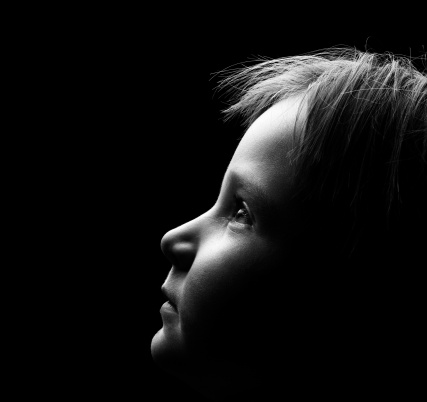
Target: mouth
{"type": "Point", "coordinates": [170, 298]}
{"type": "Point", "coordinates": [173, 305]}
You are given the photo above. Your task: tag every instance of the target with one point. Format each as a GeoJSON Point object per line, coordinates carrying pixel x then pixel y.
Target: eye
{"type": "Point", "coordinates": [241, 213]}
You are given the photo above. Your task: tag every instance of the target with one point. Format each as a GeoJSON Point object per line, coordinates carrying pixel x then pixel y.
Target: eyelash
{"type": "Point", "coordinates": [239, 206]}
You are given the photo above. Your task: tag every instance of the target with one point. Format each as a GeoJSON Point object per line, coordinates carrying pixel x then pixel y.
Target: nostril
{"type": "Point", "coordinates": [180, 253]}
{"type": "Point", "coordinates": [179, 245]}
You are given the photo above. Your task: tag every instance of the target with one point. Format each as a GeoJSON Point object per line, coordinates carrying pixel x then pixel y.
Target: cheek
{"type": "Point", "coordinates": [220, 272]}
{"type": "Point", "coordinates": [227, 298]}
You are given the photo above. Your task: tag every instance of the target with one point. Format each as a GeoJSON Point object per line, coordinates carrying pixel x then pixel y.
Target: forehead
{"type": "Point", "coordinates": [262, 153]}
{"type": "Point", "coordinates": [270, 137]}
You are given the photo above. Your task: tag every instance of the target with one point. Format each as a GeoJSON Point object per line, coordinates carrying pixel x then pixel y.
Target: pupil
{"type": "Point", "coordinates": [241, 212]}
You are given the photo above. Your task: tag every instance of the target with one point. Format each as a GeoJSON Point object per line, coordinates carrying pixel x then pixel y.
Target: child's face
{"type": "Point", "coordinates": [229, 264]}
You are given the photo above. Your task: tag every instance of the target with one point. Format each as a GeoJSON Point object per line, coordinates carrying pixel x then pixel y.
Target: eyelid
{"type": "Point", "coordinates": [240, 201]}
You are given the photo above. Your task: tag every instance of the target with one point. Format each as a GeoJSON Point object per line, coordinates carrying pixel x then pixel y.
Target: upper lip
{"type": "Point", "coordinates": [170, 295]}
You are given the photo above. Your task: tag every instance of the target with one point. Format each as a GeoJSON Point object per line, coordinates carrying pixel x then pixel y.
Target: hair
{"type": "Point", "coordinates": [361, 162]}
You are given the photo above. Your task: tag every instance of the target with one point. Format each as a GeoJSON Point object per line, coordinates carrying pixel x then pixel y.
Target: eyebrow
{"type": "Point", "coordinates": [262, 200]}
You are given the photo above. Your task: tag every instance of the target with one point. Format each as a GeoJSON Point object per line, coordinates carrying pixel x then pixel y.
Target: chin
{"type": "Point", "coordinates": [166, 352]}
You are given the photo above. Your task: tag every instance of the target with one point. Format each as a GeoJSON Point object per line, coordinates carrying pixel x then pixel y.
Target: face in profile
{"type": "Point", "coordinates": [229, 315]}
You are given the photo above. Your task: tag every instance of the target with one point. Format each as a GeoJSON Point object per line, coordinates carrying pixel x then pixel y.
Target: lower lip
{"type": "Point", "coordinates": [167, 308]}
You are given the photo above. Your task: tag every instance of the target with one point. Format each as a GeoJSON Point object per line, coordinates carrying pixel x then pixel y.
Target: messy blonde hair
{"type": "Point", "coordinates": [361, 162]}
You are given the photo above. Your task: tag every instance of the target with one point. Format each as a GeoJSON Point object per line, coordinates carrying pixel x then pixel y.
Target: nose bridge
{"type": "Point", "coordinates": [180, 245]}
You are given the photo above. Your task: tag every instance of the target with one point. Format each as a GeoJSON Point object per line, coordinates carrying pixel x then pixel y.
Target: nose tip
{"type": "Point", "coordinates": [179, 248]}
{"type": "Point", "coordinates": [166, 245]}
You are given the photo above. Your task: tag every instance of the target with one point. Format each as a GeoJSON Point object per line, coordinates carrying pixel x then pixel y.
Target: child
{"type": "Point", "coordinates": [305, 275]}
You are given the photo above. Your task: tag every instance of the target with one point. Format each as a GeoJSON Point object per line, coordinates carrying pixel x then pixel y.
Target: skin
{"type": "Point", "coordinates": [231, 267]}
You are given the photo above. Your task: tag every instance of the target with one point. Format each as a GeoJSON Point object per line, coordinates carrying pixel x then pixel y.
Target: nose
{"type": "Point", "coordinates": [180, 245]}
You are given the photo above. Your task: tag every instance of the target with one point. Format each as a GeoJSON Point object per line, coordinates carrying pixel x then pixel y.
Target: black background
{"type": "Point", "coordinates": [143, 150]}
